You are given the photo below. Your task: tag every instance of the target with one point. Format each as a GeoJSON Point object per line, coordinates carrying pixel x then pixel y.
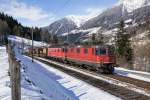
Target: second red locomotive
{"type": "Point", "coordinates": [99, 58]}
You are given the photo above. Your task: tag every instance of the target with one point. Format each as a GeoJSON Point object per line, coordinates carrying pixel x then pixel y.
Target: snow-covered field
{"type": "Point", "coordinates": [5, 93]}
{"type": "Point", "coordinates": [28, 90]}
{"type": "Point", "coordinates": [26, 41]}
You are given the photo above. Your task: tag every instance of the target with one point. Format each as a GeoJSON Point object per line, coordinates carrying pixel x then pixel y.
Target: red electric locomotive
{"type": "Point", "coordinates": [100, 58]}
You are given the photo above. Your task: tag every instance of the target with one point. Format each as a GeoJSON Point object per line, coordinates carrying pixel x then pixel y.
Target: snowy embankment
{"type": "Point", "coordinates": [145, 76]}
{"type": "Point", "coordinates": [57, 85]}
{"type": "Point", "coordinates": [28, 90]}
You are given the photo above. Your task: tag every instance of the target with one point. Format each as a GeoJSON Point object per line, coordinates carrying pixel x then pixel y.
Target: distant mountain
{"type": "Point", "coordinates": [105, 19]}
{"type": "Point", "coordinates": [66, 24]}
{"type": "Point", "coordinates": [123, 9]}
{"type": "Point", "coordinates": [132, 11]}
{"type": "Point", "coordinates": [62, 26]}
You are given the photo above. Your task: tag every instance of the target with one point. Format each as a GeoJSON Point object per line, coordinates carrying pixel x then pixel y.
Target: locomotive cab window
{"type": "Point", "coordinates": [85, 51]}
{"type": "Point", "coordinates": [66, 50]}
{"type": "Point", "coordinates": [100, 51]}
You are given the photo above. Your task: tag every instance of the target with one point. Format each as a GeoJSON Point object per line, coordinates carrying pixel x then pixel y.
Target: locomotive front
{"type": "Point", "coordinates": [107, 58]}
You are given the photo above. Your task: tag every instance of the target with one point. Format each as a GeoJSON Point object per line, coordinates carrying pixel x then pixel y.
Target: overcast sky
{"type": "Point", "coordinates": [43, 12]}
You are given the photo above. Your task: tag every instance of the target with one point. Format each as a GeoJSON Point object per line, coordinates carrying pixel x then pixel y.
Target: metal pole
{"type": "Point", "coordinates": [22, 47]}
{"type": "Point", "coordinates": [32, 44]}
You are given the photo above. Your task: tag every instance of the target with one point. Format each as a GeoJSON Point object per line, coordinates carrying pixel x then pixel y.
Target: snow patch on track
{"type": "Point", "coordinates": [145, 76]}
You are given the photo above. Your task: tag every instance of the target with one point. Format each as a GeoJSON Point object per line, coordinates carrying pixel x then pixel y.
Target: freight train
{"type": "Point", "coordinates": [98, 58]}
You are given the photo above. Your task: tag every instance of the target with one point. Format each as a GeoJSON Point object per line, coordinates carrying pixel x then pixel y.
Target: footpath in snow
{"type": "Point", "coordinates": [57, 85]}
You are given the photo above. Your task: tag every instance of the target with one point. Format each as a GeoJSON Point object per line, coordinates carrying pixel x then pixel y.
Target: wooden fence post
{"type": "Point", "coordinates": [15, 76]}
{"type": "Point", "coordinates": [16, 86]}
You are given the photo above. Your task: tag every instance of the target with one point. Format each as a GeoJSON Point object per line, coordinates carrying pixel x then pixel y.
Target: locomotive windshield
{"type": "Point", "coordinates": [111, 51]}
{"type": "Point", "coordinates": [100, 51]}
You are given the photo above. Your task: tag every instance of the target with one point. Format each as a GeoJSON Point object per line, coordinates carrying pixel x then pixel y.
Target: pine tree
{"type": "Point", "coordinates": [45, 36]}
{"type": "Point", "coordinates": [119, 39]}
{"type": "Point", "coordinates": [100, 39]}
{"type": "Point", "coordinates": [93, 38]}
{"type": "Point", "coordinates": [123, 44]}
{"type": "Point", "coordinates": [4, 30]}
{"type": "Point", "coordinates": [55, 39]}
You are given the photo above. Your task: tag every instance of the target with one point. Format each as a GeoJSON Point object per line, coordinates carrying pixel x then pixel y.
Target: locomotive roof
{"type": "Point", "coordinates": [78, 46]}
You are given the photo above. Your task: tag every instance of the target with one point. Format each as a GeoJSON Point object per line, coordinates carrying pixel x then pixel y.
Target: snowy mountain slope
{"type": "Point", "coordinates": [109, 19]}
{"type": "Point", "coordinates": [105, 19]}
{"type": "Point", "coordinates": [78, 27]}
{"type": "Point", "coordinates": [76, 31]}
{"type": "Point", "coordinates": [66, 24]}
{"type": "Point", "coordinates": [130, 5]}
{"type": "Point", "coordinates": [63, 25]}
{"type": "Point", "coordinates": [78, 20]}
{"type": "Point", "coordinates": [123, 9]}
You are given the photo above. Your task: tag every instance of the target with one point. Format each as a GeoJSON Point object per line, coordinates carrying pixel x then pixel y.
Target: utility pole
{"type": "Point", "coordinates": [32, 44]}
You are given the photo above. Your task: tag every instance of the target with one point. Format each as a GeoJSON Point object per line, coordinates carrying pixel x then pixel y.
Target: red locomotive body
{"type": "Point", "coordinates": [100, 58]}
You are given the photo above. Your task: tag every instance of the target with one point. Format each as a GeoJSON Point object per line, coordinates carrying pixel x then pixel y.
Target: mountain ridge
{"type": "Point", "coordinates": [107, 19]}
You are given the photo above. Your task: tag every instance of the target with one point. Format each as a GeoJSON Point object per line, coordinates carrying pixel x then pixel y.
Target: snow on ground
{"type": "Point", "coordinates": [5, 93]}
{"type": "Point", "coordinates": [57, 85]}
{"type": "Point", "coordinates": [145, 76]}
{"type": "Point", "coordinates": [78, 20]}
{"type": "Point", "coordinates": [26, 41]}
{"type": "Point", "coordinates": [28, 90]}
{"type": "Point", "coordinates": [89, 31]}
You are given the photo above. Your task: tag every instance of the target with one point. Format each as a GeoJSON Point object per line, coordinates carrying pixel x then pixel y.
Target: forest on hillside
{"type": "Point", "coordinates": [10, 26]}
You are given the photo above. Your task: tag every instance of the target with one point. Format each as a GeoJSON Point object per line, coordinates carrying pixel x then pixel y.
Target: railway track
{"type": "Point", "coordinates": [122, 91]}
{"type": "Point", "coordinates": [139, 83]}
